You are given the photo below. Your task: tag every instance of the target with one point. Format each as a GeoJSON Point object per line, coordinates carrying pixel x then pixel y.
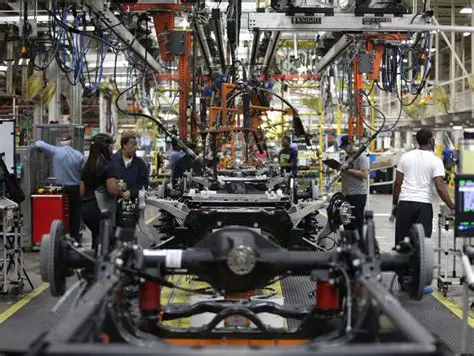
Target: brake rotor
{"type": "Point", "coordinates": [422, 262]}
{"type": "Point", "coordinates": [51, 254]}
{"type": "Point", "coordinates": [336, 215]}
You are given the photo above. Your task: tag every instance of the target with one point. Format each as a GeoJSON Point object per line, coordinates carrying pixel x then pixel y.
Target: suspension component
{"type": "Point", "coordinates": [150, 295]}
{"type": "Point", "coordinates": [327, 296]}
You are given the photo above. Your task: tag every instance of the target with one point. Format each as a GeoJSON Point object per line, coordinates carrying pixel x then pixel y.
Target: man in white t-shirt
{"type": "Point", "coordinates": [417, 173]}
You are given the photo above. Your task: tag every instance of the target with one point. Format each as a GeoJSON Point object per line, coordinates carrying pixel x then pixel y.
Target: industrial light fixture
{"type": "Point", "coordinates": [466, 10]}
{"type": "Point", "coordinates": [465, 34]}
{"type": "Point", "coordinates": [457, 127]}
{"type": "Point", "coordinates": [3, 68]}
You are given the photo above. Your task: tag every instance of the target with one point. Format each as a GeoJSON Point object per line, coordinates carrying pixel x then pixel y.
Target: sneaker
{"type": "Point", "coordinates": [428, 290]}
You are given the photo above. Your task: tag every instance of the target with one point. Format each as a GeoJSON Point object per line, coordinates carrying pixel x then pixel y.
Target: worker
{"type": "Point", "coordinates": [448, 156]}
{"type": "Point", "coordinates": [288, 157]}
{"type": "Point", "coordinates": [130, 168]}
{"type": "Point", "coordinates": [354, 184]}
{"type": "Point", "coordinates": [67, 164]}
{"type": "Point", "coordinates": [99, 185]}
{"type": "Point", "coordinates": [417, 172]}
{"type": "Point", "coordinates": [174, 130]}
{"type": "Point", "coordinates": [175, 155]}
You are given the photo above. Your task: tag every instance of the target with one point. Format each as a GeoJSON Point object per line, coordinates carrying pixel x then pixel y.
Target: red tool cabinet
{"type": "Point", "coordinates": [45, 209]}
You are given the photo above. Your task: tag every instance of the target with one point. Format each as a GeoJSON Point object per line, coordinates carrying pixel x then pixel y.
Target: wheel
{"type": "Point", "coordinates": [420, 275]}
{"type": "Point", "coordinates": [51, 254]}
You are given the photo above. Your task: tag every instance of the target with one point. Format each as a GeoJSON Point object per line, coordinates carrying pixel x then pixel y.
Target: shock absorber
{"type": "Point", "coordinates": [150, 295]}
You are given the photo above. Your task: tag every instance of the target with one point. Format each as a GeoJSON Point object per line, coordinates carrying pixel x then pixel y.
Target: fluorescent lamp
{"type": "Point", "coordinates": [433, 50]}
{"type": "Point", "coordinates": [457, 127]}
{"type": "Point", "coordinates": [466, 10]}
{"type": "Point", "coordinates": [3, 68]}
{"type": "Point", "coordinates": [465, 34]}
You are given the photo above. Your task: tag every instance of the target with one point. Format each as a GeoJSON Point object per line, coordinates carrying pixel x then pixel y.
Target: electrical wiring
{"type": "Point", "coordinates": [68, 28]}
{"type": "Point", "coordinates": [69, 48]}
{"type": "Point", "coordinates": [188, 151]}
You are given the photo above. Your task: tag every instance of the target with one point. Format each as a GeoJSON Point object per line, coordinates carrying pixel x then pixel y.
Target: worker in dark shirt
{"type": "Point", "coordinates": [99, 187]}
{"type": "Point", "coordinates": [288, 157]}
{"type": "Point", "coordinates": [130, 168]}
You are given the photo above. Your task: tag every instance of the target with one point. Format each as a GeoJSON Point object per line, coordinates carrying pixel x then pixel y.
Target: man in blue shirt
{"type": "Point", "coordinates": [175, 155]}
{"type": "Point", "coordinates": [288, 157]}
{"type": "Point", "coordinates": [130, 168]}
{"type": "Point", "coordinates": [448, 158]}
{"type": "Point", "coordinates": [67, 165]}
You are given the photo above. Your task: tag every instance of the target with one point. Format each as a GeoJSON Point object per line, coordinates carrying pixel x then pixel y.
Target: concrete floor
{"type": "Point", "coordinates": [32, 267]}
{"type": "Point", "coordinates": [381, 204]}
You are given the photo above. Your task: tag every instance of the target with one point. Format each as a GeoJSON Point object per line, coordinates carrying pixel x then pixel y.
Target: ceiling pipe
{"type": "Point", "coordinates": [216, 24]}
{"type": "Point", "coordinates": [253, 51]}
{"type": "Point", "coordinates": [271, 49]}
{"type": "Point", "coordinates": [199, 31]}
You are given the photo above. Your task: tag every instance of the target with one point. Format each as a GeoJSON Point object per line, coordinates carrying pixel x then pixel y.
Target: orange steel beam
{"type": "Point", "coordinates": [358, 99]}
{"type": "Point", "coordinates": [154, 6]}
{"type": "Point", "coordinates": [184, 79]}
{"type": "Point", "coordinates": [164, 23]}
{"type": "Point", "coordinates": [379, 49]}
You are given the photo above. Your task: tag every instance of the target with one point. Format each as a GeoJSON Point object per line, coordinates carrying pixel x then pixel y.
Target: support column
{"type": "Point", "coordinates": [408, 140]}
{"type": "Point", "coordinates": [379, 144]}
{"type": "Point", "coordinates": [9, 84]}
{"type": "Point", "coordinates": [54, 106]}
{"type": "Point", "coordinates": [457, 135]}
{"type": "Point", "coordinates": [102, 113]}
{"type": "Point", "coordinates": [397, 139]}
{"type": "Point", "coordinates": [38, 114]}
{"type": "Point", "coordinates": [75, 104]}
{"type": "Point", "coordinates": [184, 87]}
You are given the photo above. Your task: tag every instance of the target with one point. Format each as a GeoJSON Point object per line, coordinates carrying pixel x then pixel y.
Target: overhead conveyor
{"type": "Point", "coordinates": [344, 22]}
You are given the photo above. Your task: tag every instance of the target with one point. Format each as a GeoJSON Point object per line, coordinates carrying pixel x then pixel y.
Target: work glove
{"type": "Point", "coordinates": [393, 216]}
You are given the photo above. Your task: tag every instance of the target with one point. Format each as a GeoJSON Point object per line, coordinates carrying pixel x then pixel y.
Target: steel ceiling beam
{"type": "Point", "coordinates": [254, 49]}
{"type": "Point", "coordinates": [108, 18]}
{"type": "Point", "coordinates": [333, 53]}
{"type": "Point", "coordinates": [340, 22]}
{"type": "Point", "coordinates": [270, 52]}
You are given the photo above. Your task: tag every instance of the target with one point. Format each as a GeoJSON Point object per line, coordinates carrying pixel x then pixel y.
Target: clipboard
{"type": "Point", "coordinates": [332, 163]}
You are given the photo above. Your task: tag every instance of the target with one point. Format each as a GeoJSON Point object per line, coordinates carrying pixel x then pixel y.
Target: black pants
{"type": "Point", "coordinates": [91, 216]}
{"type": "Point", "coordinates": [358, 202]}
{"type": "Point", "coordinates": [409, 213]}
{"type": "Point", "coordinates": [75, 202]}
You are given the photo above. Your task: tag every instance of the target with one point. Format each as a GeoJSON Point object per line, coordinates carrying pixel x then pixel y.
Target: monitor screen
{"type": "Point", "coordinates": [464, 200]}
